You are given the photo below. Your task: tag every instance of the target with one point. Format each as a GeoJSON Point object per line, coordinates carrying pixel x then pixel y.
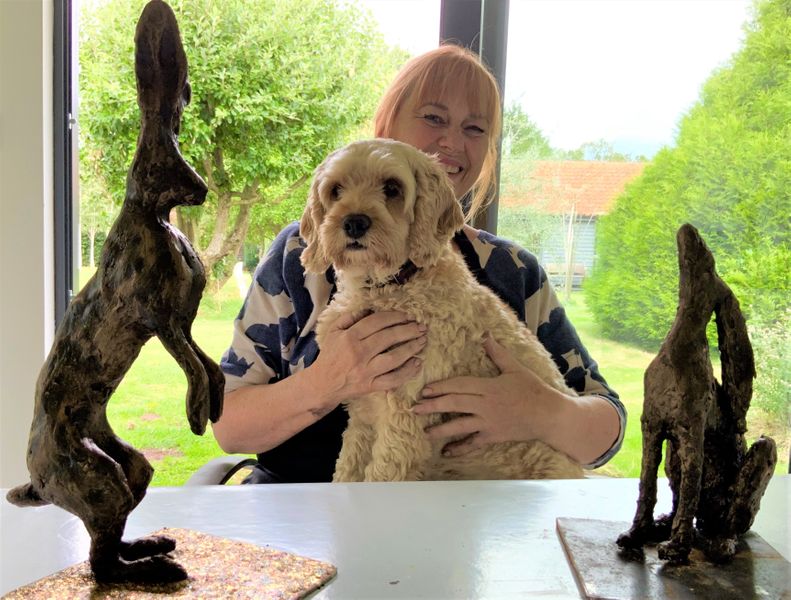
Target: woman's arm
{"type": "Point", "coordinates": [518, 406]}
{"type": "Point", "coordinates": [374, 353]}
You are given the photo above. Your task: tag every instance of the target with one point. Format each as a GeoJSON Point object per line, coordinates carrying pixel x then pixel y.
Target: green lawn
{"type": "Point", "coordinates": [148, 409]}
{"type": "Point", "coordinates": [623, 367]}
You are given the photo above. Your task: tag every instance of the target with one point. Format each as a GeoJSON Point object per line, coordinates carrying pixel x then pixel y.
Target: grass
{"type": "Point", "coordinates": [623, 367]}
{"type": "Point", "coordinates": [148, 408]}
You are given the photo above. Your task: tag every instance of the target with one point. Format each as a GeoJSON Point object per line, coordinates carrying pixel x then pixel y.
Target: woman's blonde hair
{"type": "Point", "coordinates": [431, 74]}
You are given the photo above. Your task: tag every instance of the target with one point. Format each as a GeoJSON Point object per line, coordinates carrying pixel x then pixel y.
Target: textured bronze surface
{"type": "Point", "coordinates": [149, 283]}
{"type": "Point", "coordinates": [717, 482]}
{"type": "Point", "coordinates": [601, 571]}
{"type": "Point", "coordinates": [218, 567]}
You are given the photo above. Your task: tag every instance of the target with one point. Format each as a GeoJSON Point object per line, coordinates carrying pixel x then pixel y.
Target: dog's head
{"type": "Point", "coordinates": [373, 206]}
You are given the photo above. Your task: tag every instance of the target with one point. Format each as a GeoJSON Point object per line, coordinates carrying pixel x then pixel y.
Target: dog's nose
{"type": "Point", "coordinates": [355, 226]}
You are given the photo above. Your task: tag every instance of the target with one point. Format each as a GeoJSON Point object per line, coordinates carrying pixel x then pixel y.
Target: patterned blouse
{"type": "Point", "coordinates": [274, 337]}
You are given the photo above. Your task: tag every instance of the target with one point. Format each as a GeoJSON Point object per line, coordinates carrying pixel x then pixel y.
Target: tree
{"type": "Point", "coordinates": [522, 137]}
{"type": "Point", "coordinates": [97, 210]}
{"type": "Point", "coordinates": [529, 226]}
{"type": "Point", "coordinates": [276, 85]}
{"type": "Point", "coordinates": [729, 175]}
{"type": "Point", "coordinates": [601, 149]}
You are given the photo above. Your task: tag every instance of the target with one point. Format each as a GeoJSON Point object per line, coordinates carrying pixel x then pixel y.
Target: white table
{"type": "Point", "coordinates": [493, 539]}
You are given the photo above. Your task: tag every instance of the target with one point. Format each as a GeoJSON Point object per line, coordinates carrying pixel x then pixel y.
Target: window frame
{"type": "Point", "coordinates": [65, 156]}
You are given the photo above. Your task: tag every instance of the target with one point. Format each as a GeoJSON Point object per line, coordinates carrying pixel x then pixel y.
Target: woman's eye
{"type": "Point", "coordinates": [391, 188]}
{"type": "Point", "coordinates": [474, 130]}
{"type": "Point", "coordinates": [434, 119]}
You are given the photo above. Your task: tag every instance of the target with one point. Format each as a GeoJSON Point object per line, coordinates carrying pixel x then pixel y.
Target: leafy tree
{"type": "Point", "coordinates": [524, 144]}
{"type": "Point", "coordinates": [97, 210]}
{"type": "Point", "coordinates": [276, 85]}
{"type": "Point", "coordinates": [601, 149]}
{"type": "Point", "coordinates": [730, 176]}
{"type": "Point", "coordinates": [528, 226]}
{"type": "Point", "coordinates": [521, 136]}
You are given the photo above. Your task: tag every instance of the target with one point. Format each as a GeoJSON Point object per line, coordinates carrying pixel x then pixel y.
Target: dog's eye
{"type": "Point", "coordinates": [392, 188]}
{"type": "Point", "coordinates": [335, 192]}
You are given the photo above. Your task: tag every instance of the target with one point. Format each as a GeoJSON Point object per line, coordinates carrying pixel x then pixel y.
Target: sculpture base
{"type": "Point", "coordinates": [217, 567]}
{"type": "Point", "coordinates": [757, 570]}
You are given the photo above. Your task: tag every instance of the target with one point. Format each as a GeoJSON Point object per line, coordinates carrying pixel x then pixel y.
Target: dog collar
{"type": "Point", "coordinates": [405, 273]}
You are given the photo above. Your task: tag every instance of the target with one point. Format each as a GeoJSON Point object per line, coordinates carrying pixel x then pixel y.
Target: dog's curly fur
{"type": "Point", "coordinates": [411, 214]}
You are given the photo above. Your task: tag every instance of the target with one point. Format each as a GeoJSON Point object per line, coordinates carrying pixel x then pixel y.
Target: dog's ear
{"type": "Point", "coordinates": [313, 257]}
{"type": "Point", "coordinates": [437, 215]}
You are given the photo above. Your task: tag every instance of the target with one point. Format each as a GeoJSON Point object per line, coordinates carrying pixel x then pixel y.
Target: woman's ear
{"type": "Point", "coordinates": [437, 213]}
{"type": "Point", "coordinates": [312, 257]}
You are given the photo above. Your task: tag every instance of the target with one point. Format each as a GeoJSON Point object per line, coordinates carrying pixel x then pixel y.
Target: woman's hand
{"type": "Point", "coordinates": [513, 406]}
{"type": "Point", "coordinates": [363, 353]}
{"type": "Point", "coordinates": [517, 406]}
{"type": "Point", "coordinates": [373, 352]}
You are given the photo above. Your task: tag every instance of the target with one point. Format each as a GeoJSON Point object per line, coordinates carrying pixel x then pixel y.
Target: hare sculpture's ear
{"type": "Point", "coordinates": [160, 64]}
{"type": "Point", "coordinates": [160, 177]}
{"type": "Point", "coordinates": [438, 214]}
{"type": "Point", "coordinates": [313, 257]}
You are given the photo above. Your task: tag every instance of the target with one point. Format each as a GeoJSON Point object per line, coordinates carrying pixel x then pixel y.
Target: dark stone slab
{"type": "Point", "coordinates": [602, 570]}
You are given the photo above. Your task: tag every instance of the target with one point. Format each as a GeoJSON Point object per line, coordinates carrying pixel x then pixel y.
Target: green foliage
{"type": "Point", "coordinates": [522, 137]}
{"type": "Point", "coordinates": [772, 343]}
{"type": "Point", "coordinates": [527, 226]}
{"type": "Point", "coordinates": [599, 150]}
{"type": "Point", "coordinates": [251, 255]}
{"type": "Point", "coordinates": [85, 245]}
{"type": "Point", "coordinates": [730, 176]}
{"type": "Point", "coordinates": [276, 85]}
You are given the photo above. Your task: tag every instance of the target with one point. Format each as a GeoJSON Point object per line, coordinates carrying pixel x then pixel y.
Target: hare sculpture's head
{"type": "Point", "coordinates": [160, 178]}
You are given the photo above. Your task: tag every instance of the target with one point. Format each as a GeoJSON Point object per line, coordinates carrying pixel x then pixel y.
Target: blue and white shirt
{"type": "Point", "coordinates": [274, 337]}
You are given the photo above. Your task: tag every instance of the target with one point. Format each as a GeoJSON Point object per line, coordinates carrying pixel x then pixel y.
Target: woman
{"type": "Point", "coordinates": [283, 398]}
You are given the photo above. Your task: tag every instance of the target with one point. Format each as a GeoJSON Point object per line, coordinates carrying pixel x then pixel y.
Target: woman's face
{"type": "Point", "coordinates": [446, 126]}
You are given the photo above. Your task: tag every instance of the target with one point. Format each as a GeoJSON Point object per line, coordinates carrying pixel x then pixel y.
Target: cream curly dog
{"type": "Point", "coordinates": [383, 214]}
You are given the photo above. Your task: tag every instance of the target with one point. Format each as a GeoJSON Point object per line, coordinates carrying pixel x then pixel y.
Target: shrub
{"type": "Point", "coordinates": [771, 344]}
{"type": "Point", "coordinates": [729, 175]}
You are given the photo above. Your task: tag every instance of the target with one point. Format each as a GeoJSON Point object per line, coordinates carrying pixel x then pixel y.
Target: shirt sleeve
{"type": "Point", "coordinates": [517, 277]}
{"type": "Point", "coordinates": [273, 335]}
{"type": "Point", "coordinates": [581, 372]}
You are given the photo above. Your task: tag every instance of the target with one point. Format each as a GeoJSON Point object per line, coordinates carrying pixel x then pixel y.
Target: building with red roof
{"type": "Point", "coordinates": [577, 192]}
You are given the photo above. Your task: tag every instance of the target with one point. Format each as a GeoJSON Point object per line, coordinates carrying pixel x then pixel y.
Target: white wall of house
{"type": "Point", "coordinates": [552, 254]}
{"type": "Point", "coordinates": [27, 313]}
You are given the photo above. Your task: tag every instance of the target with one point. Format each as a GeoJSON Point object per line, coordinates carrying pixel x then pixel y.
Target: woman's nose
{"type": "Point", "coordinates": [451, 139]}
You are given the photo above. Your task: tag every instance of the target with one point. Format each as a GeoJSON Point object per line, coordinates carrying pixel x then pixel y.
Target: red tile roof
{"type": "Point", "coordinates": [592, 185]}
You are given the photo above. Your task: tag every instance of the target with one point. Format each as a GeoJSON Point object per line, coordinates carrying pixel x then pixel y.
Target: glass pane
{"type": "Point", "coordinates": [625, 120]}
{"type": "Point", "coordinates": [409, 24]}
{"type": "Point", "coordinates": [269, 101]}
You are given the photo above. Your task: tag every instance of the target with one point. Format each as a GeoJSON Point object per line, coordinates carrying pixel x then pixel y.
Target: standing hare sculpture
{"type": "Point", "coordinates": [149, 283]}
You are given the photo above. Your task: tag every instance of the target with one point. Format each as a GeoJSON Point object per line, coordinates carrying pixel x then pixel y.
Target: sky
{"type": "Point", "coordinates": [620, 70]}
